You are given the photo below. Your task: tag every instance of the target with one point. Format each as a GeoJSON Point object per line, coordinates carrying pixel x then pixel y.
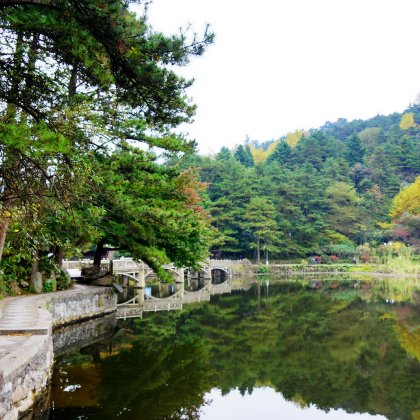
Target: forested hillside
{"type": "Point", "coordinates": [319, 191]}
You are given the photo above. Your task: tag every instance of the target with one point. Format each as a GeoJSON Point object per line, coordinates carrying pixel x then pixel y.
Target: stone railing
{"type": "Point", "coordinates": [124, 264]}
{"type": "Point", "coordinates": [127, 263]}
{"type": "Point", "coordinates": [220, 263]}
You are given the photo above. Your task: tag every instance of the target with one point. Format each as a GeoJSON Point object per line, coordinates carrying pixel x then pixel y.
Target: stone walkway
{"type": "Point", "coordinates": [23, 323]}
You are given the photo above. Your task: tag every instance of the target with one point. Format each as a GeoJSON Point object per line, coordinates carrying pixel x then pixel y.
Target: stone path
{"type": "Point", "coordinates": [20, 322]}
{"type": "Point", "coordinates": [20, 316]}
{"type": "Point", "coordinates": [24, 322]}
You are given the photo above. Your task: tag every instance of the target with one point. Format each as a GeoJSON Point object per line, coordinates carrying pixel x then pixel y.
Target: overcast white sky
{"type": "Point", "coordinates": [281, 65]}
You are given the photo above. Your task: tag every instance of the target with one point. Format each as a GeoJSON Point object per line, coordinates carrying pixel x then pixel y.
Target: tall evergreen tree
{"type": "Point", "coordinates": [355, 151]}
{"type": "Point", "coordinates": [343, 212]}
{"type": "Point", "coordinates": [281, 153]}
{"type": "Point", "coordinates": [259, 220]}
{"type": "Point", "coordinates": [224, 218]}
{"type": "Point", "coordinates": [406, 160]}
{"type": "Point", "coordinates": [383, 173]}
{"type": "Point", "coordinates": [224, 154]}
{"type": "Point", "coordinates": [244, 155]}
{"type": "Point", "coordinates": [335, 170]}
{"type": "Point", "coordinates": [300, 204]}
{"type": "Point", "coordinates": [308, 150]}
{"type": "Point", "coordinates": [250, 159]}
{"type": "Point", "coordinates": [240, 155]}
{"type": "Point", "coordinates": [327, 145]}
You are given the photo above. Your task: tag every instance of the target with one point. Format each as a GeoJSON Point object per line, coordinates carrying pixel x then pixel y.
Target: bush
{"type": "Point", "coordinates": [48, 286]}
{"type": "Point", "coordinates": [325, 258]}
{"type": "Point", "coordinates": [64, 281]}
{"type": "Point", "coordinates": [333, 259]}
{"type": "Point", "coordinates": [365, 258]}
{"type": "Point", "coordinates": [342, 250]}
{"type": "Point", "coordinates": [262, 269]}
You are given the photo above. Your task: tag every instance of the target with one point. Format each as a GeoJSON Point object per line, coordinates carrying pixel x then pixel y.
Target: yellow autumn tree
{"type": "Point", "coordinates": [260, 155]}
{"type": "Point", "coordinates": [408, 200]}
{"type": "Point", "coordinates": [257, 154]}
{"type": "Point", "coordinates": [293, 138]}
{"type": "Point", "coordinates": [407, 121]}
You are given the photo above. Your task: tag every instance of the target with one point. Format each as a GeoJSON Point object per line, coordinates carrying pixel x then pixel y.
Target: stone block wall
{"type": "Point", "coordinates": [70, 306]}
{"type": "Point", "coordinates": [25, 380]}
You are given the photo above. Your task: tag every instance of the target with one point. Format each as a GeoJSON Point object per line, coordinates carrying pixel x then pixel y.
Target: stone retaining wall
{"type": "Point", "coordinates": [24, 383]}
{"type": "Point", "coordinates": [26, 370]}
{"type": "Point", "coordinates": [82, 304]}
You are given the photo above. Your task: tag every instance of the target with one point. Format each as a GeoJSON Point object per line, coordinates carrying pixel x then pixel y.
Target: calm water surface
{"type": "Point", "coordinates": [269, 349]}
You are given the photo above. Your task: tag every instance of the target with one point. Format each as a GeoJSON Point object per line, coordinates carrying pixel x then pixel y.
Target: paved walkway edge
{"type": "Point", "coordinates": [26, 347]}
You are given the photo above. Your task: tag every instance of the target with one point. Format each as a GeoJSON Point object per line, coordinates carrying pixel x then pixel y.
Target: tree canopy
{"type": "Point", "coordinates": [88, 100]}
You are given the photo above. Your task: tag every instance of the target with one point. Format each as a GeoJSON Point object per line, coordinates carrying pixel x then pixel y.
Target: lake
{"type": "Point", "coordinates": [295, 348]}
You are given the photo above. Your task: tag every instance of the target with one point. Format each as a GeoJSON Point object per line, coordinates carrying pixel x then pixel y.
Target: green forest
{"type": "Point", "coordinates": [324, 191]}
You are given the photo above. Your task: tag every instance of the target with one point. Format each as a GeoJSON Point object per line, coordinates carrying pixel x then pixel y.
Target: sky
{"type": "Point", "coordinates": [281, 65]}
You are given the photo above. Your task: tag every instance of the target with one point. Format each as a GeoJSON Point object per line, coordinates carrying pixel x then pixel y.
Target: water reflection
{"type": "Point", "coordinates": [351, 344]}
{"type": "Point", "coordinates": [163, 290]}
{"type": "Point", "coordinates": [265, 403]}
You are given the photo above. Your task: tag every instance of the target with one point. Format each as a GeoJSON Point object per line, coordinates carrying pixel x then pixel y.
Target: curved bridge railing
{"type": "Point", "coordinates": [128, 265]}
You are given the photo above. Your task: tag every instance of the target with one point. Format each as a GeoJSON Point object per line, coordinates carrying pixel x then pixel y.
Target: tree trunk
{"type": "Point", "coordinates": [5, 220]}
{"type": "Point", "coordinates": [59, 256]}
{"type": "Point", "coordinates": [34, 267]}
{"type": "Point", "coordinates": [98, 254]}
{"type": "Point", "coordinates": [258, 250]}
{"type": "Point", "coordinates": [4, 225]}
{"type": "Point", "coordinates": [73, 81]}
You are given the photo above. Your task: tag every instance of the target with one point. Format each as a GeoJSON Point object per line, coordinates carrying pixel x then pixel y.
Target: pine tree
{"type": "Point", "coordinates": [355, 151]}
{"type": "Point", "coordinates": [335, 170]}
{"type": "Point", "coordinates": [250, 159]}
{"type": "Point", "coordinates": [343, 212]}
{"type": "Point", "coordinates": [281, 153]}
{"type": "Point", "coordinates": [406, 161]}
{"type": "Point", "coordinates": [300, 203]}
{"type": "Point", "coordinates": [259, 220]}
{"type": "Point", "coordinates": [240, 155]}
{"type": "Point", "coordinates": [224, 154]}
{"type": "Point", "coordinates": [308, 150]}
{"type": "Point", "coordinates": [224, 215]}
{"type": "Point", "coordinates": [383, 173]}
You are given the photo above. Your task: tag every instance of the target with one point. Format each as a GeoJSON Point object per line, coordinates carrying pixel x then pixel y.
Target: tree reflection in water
{"type": "Point", "coordinates": [143, 381]}
{"type": "Point", "coordinates": [331, 346]}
